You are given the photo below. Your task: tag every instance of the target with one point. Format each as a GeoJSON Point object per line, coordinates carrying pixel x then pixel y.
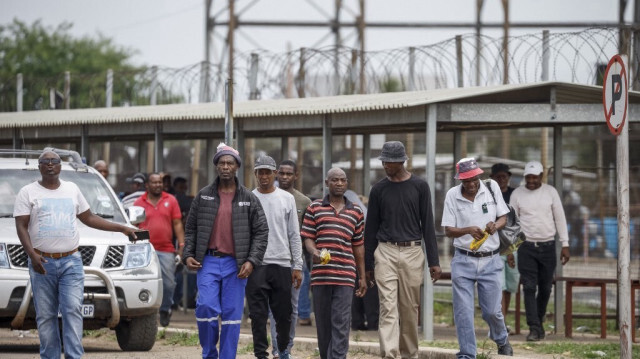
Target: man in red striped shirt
{"type": "Point", "coordinates": [336, 224]}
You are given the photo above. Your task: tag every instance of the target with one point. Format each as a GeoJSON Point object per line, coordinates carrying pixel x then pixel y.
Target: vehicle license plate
{"type": "Point", "coordinates": [88, 311]}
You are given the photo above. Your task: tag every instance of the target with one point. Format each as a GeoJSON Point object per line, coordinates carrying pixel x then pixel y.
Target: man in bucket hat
{"type": "Point", "coordinates": [225, 239]}
{"type": "Point", "coordinates": [472, 218]}
{"type": "Point", "coordinates": [541, 216]}
{"type": "Point", "coordinates": [399, 220]}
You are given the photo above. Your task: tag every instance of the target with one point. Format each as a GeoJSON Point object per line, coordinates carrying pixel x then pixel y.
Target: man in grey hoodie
{"type": "Point", "coordinates": [269, 286]}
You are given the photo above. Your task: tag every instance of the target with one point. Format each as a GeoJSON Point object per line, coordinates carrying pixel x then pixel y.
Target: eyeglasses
{"type": "Point", "coordinates": [46, 161]}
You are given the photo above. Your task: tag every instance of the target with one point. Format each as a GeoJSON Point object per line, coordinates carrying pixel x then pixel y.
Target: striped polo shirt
{"type": "Point", "coordinates": [338, 233]}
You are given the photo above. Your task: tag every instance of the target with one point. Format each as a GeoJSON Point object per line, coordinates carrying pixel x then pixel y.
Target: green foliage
{"type": "Point", "coordinates": [247, 349]}
{"type": "Point", "coordinates": [183, 339]}
{"type": "Point", "coordinates": [43, 54]}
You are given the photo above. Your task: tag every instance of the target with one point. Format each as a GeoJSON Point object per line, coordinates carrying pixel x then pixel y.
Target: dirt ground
{"type": "Point", "coordinates": [25, 344]}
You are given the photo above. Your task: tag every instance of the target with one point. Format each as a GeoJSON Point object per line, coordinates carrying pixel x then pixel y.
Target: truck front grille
{"type": "Point", "coordinates": [114, 257]}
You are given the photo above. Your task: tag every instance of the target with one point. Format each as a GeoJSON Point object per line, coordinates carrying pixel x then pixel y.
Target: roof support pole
{"type": "Point", "coordinates": [19, 93]}
{"type": "Point", "coordinates": [557, 183]}
{"type": "Point", "coordinates": [366, 164]}
{"type": "Point", "coordinates": [240, 139]}
{"type": "Point", "coordinates": [431, 115]}
{"type": "Point", "coordinates": [84, 144]}
{"type": "Point", "coordinates": [211, 151]}
{"type": "Point", "coordinates": [284, 148]}
{"type": "Point", "coordinates": [158, 149]}
{"type": "Point", "coordinates": [327, 140]}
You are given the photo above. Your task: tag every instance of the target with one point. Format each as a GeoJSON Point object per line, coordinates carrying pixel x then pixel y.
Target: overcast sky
{"type": "Point", "coordinates": [171, 32]}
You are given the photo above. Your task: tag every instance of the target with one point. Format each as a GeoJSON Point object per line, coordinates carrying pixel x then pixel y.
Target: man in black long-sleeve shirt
{"type": "Point", "coordinates": [400, 216]}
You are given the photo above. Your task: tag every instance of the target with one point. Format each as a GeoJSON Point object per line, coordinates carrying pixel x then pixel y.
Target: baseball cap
{"type": "Point", "coordinates": [137, 178]}
{"type": "Point", "coordinates": [533, 168]}
{"type": "Point", "coordinates": [265, 162]}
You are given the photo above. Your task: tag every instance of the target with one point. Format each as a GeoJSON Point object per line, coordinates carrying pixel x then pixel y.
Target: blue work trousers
{"type": "Point", "coordinates": [220, 302]}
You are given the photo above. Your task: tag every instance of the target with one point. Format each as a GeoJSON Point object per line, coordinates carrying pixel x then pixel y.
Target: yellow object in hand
{"type": "Point", "coordinates": [325, 256]}
{"type": "Point", "coordinates": [477, 243]}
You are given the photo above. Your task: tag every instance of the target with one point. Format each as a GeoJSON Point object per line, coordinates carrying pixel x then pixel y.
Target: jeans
{"type": "Point", "coordinates": [221, 295]}
{"type": "Point", "coordinates": [537, 265]}
{"type": "Point", "coordinates": [60, 289]}
{"type": "Point", "coordinates": [295, 293]}
{"type": "Point", "coordinates": [332, 305]}
{"type": "Point", "coordinates": [466, 272]}
{"type": "Point", "coordinates": [192, 290]}
{"type": "Point", "coordinates": [168, 268]}
{"type": "Point", "coordinates": [304, 304]}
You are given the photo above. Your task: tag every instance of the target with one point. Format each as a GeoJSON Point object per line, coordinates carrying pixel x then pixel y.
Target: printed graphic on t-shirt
{"type": "Point", "coordinates": [56, 218]}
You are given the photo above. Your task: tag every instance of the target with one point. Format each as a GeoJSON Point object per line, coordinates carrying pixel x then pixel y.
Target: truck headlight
{"type": "Point", "coordinates": [4, 258]}
{"type": "Point", "coordinates": [137, 256]}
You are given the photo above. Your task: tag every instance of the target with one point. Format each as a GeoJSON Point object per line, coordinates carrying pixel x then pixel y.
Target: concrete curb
{"type": "Point", "coordinates": [372, 348]}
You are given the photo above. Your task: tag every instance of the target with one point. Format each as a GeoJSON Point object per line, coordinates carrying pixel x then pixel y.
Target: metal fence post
{"type": "Point", "coordinates": [154, 85]}
{"type": "Point", "coordinates": [109, 89]}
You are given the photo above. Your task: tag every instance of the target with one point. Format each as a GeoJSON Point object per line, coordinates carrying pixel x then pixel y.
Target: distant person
{"type": "Point", "coordinates": [470, 215]}
{"type": "Point", "coordinates": [501, 173]}
{"type": "Point", "coordinates": [166, 183]}
{"type": "Point", "coordinates": [336, 225]}
{"type": "Point", "coordinates": [226, 236]}
{"type": "Point", "coordinates": [136, 189]}
{"type": "Point", "coordinates": [163, 221]}
{"type": "Point", "coordinates": [46, 213]}
{"type": "Point", "coordinates": [184, 202]}
{"type": "Point", "coordinates": [399, 221]}
{"type": "Point", "coordinates": [365, 311]}
{"type": "Point", "coordinates": [269, 286]}
{"type": "Point", "coordinates": [102, 167]}
{"type": "Point", "coordinates": [286, 176]}
{"type": "Point", "coordinates": [541, 216]}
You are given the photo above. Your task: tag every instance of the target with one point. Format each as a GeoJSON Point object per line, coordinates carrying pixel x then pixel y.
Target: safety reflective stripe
{"type": "Point", "coordinates": [206, 319]}
{"type": "Point", "coordinates": [224, 322]}
{"type": "Point", "coordinates": [227, 322]}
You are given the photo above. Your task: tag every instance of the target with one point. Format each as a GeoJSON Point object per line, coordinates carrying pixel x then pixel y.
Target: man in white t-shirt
{"type": "Point", "coordinates": [45, 212]}
{"type": "Point", "coordinates": [472, 215]}
{"type": "Point", "coordinates": [269, 286]}
{"type": "Point", "coordinates": [541, 216]}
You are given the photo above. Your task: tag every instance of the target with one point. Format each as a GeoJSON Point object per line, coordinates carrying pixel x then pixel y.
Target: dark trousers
{"type": "Point", "coordinates": [269, 286]}
{"type": "Point", "coordinates": [537, 265]}
{"type": "Point", "coordinates": [332, 306]}
{"type": "Point", "coordinates": [365, 311]}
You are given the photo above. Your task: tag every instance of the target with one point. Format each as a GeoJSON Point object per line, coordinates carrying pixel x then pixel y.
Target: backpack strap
{"type": "Point", "coordinates": [487, 183]}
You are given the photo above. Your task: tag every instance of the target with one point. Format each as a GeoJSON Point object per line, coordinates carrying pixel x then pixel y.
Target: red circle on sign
{"type": "Point", "coordinates": [616, 59]}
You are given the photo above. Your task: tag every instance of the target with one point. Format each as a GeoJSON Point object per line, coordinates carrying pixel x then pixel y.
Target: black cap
{"type": "Point", "coordinates": [137, 178]}
{"type": "Point", "coordinates": [500, 167]}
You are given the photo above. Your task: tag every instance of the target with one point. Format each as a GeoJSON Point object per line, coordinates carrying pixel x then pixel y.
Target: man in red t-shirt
{"type": "Point", "coordinates": [163, 221]}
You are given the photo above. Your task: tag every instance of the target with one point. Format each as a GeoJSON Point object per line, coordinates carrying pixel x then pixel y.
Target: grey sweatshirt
{"type": "Point", "coordinates": [285, 246]}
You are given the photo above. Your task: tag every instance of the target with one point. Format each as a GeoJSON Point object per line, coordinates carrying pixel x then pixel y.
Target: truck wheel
{"type": "Point", "coordinates": [137, 334]}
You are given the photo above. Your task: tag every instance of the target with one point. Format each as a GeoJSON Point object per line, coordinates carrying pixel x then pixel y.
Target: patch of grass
{"type": "Point", "coordinates": [247, 349]}
{"type": "Point", "coordinates": [162, 334]}
{"type": "Point", "coordinates": [92, 333]}
{"type": "Point", "coordinates": [579, 350]}
{"type": "Point", "coordinates": [439, 344]}
{"type": "Point", "coordinates": [183, 339]}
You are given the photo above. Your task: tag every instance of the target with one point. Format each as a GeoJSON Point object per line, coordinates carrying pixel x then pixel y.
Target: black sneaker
{"type": "Point", "coordinates": [534, 335]}
{"type": "Point", "coordinates": [505, 349]}
{"type": "Point", "coordinates": [165, 318]}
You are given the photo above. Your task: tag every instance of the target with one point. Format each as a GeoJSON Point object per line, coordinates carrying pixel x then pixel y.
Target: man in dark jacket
{"type": "Point", "coordinates": [225, 238]}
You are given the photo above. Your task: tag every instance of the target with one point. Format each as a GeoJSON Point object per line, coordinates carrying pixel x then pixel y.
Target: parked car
{"type": "Point", "coordinates": [123, 283]}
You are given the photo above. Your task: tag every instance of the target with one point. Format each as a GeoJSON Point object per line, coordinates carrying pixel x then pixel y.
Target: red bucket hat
{"type": "Point", "coordinates": [467, 168]}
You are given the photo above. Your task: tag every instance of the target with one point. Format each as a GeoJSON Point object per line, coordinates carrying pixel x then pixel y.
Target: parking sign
{"type": "Point", "coordinates": [615, 94]}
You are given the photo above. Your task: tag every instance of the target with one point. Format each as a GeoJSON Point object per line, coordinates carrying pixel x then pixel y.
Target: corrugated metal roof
{"type": "Point", "coordinates": [522, 93]}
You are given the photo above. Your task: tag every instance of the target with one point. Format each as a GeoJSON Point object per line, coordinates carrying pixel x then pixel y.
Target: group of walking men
{"type": "Point", "coordinates": [249, 244]}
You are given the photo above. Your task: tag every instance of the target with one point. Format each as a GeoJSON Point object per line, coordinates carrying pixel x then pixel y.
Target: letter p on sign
{"type": "Point", "coordinates": [615, 94]}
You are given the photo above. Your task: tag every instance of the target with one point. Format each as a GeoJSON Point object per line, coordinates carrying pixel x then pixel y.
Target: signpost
{"type": "Point", "coordinates": [615, 100]}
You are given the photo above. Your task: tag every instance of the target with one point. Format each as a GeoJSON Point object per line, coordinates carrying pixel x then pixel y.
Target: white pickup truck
{"type": "Point", "coordinates": [123, 283]}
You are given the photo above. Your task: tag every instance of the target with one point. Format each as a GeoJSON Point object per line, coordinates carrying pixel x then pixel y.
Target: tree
{"type": "Point", "coordinates": [43, 54]}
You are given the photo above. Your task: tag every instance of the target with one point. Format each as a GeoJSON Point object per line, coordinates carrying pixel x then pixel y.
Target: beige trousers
{"type": "Point", "coordinates": [399, 274]}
